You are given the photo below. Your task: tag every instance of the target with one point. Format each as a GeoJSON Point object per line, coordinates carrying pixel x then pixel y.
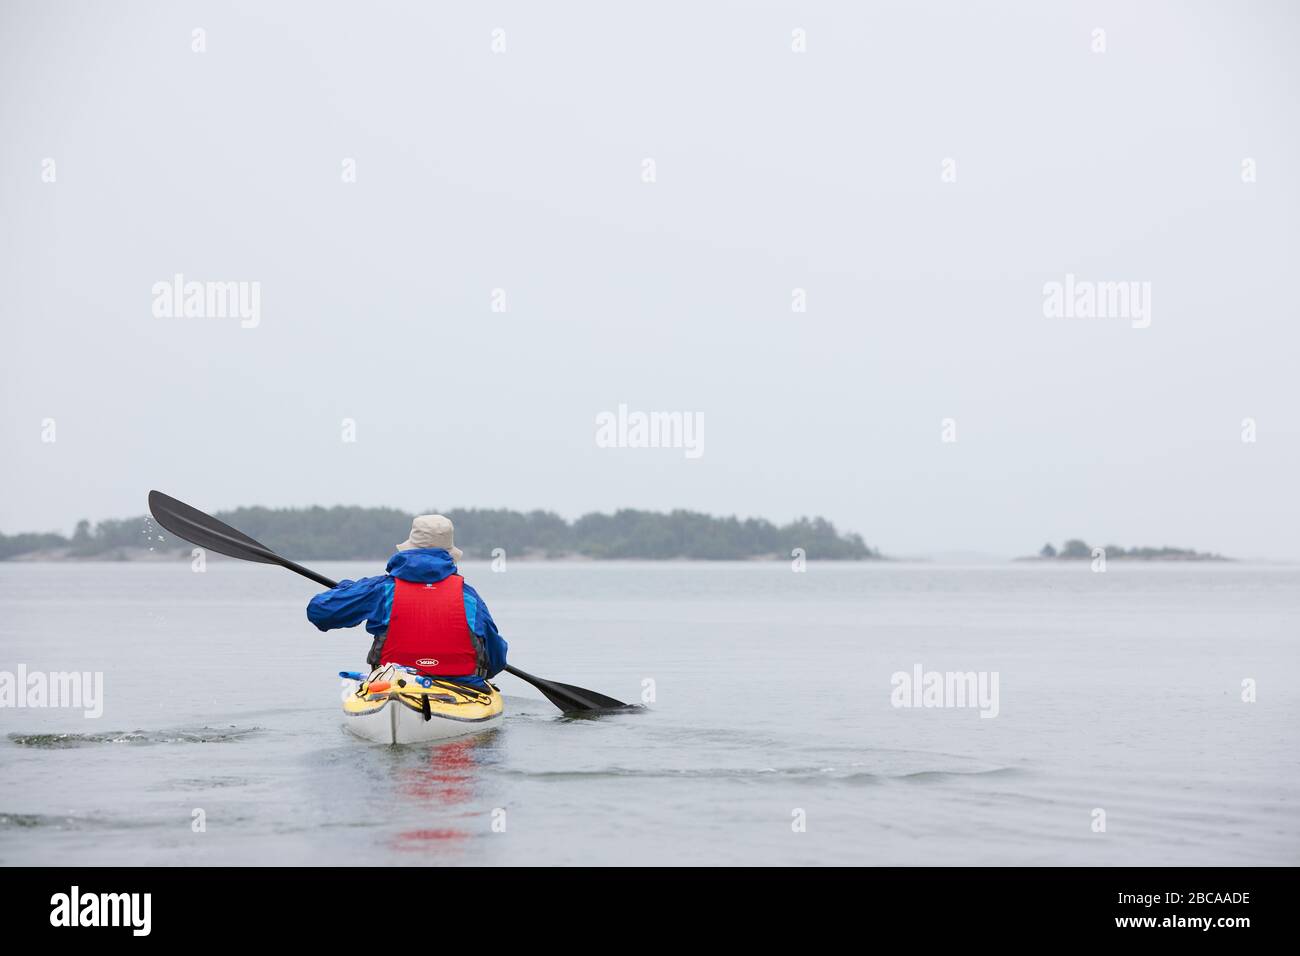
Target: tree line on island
{"type": "Point", "coordinates": [1076, 548]}
{"type": "Point", "coordinates": [346, 533]}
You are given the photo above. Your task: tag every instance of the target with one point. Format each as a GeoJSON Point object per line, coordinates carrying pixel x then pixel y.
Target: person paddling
{"type": "Point", "coordinates": [421, 612]}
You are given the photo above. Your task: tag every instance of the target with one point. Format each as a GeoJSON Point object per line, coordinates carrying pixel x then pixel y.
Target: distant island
{"type": "Point", "coordinates": [347, 533]}
{"type": "Point", "coordinates": [1075, 549]}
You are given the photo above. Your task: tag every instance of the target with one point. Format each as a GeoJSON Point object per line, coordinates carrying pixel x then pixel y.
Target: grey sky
{"type": "Point", "coordinates": [775, 170]}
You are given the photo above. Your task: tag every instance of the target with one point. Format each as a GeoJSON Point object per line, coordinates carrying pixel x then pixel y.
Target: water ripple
{"type": "Point", "coordinates": [202, 735]}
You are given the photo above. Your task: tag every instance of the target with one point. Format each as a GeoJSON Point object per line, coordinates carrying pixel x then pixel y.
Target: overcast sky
{"type": "Point", "coordinates": [920, 170]}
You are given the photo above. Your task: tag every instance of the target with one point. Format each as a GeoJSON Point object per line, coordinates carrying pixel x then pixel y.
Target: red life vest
{"type": "Point", "coordinates": [427, 628]}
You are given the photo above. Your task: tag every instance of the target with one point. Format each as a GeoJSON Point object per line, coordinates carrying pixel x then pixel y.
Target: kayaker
{"type": "Point", "coordinates": [422, 613]}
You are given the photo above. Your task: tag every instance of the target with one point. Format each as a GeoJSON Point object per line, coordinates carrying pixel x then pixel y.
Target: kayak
{"type": "Point", "coordinates": [398, 705]}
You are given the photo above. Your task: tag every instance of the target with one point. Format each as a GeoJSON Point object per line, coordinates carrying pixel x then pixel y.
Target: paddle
{"type": "Point", "coordinates": [207, 532]}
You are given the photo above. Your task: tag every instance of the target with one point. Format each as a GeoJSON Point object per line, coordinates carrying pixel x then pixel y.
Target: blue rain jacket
{"type": "Point", "coordinates": [371, 600]}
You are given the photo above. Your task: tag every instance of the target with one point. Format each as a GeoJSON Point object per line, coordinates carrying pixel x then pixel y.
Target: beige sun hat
{"type": "Point", "coordinates": [432, 531]}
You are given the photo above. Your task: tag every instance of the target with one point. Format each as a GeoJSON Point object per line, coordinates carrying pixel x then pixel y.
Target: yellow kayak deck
{"type": "Point", "coordinates": [394, 706]}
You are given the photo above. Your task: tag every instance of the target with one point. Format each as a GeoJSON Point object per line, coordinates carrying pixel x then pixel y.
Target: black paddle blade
{"type": "Point", "coordinates": [206, 531]}
{"type": "Point", "coordinates": [570, 699]}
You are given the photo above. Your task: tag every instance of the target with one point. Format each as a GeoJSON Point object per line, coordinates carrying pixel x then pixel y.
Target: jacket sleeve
{"type": "Point", "coordinates": [480, 622]}
{"type": "Point", "coordinates": [348, 604]}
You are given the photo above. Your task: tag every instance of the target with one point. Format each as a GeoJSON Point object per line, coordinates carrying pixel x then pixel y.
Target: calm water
{"type": "Point", "coordinates": [1119, 691]}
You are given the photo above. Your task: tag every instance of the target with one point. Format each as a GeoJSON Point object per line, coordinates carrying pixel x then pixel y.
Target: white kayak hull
{"type": "Point", "coordinates": [395, 724]}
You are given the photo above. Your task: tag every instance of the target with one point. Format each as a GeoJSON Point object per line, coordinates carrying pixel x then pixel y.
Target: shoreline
{"type": "Point", "coordinates": [574, 559]}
